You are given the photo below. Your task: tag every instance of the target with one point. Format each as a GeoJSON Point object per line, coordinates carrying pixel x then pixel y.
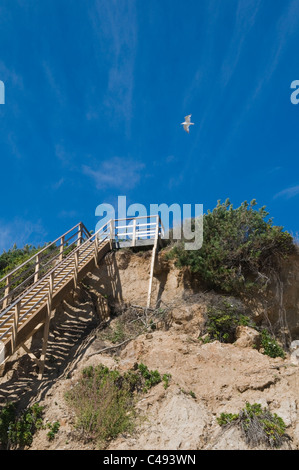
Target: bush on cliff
{"type": "Point", "coordinates": [241, 249]}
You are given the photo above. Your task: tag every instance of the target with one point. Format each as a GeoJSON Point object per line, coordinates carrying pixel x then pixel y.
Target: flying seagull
{"type": "Point", "coordinates": [187, 123]}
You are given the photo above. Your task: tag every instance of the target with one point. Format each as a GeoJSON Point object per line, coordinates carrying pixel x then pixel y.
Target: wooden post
{"type": "Point", "coordinates": [6, 292]}
{"type": "Point", "coordinates": [15, 327]}
{"type": "Point", "coordinates": [134, 233]}
{"type": "Point", "coordinates": [76, 268]}
{"type": "Point", "coordinates": [46, 327]}
{"type": "Point", "coordinates": [111, 235]}
{"type": "Point", "coordinates": [153, 263]}
{"type": "Point", "coordinates": [96, 251]}
{"type": "Point", "coordinates": [2, 356]}
{"type": "Point", "coordinates": [61, 248]}
{"type": "Point", "coordinates": [79, 234]}
{"type": "Point", "coordinates": [37, 265]}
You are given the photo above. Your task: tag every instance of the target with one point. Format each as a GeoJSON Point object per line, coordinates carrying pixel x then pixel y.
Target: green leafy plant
{"type": "Point", "coordinates": [258, 425]}
{"type": "Point", "coordinates": [103, 404]}
{"type": "Point", "coordinates": [152, 377]}
{"type": "Point", "coordinates": [222, 321]}
{"type": "Point", "coordinates": [7, 416]}
{"type": "Point", "coordinates": [166, 378]}
{"type": "Point", "coordinates": [270, 345]}
{"type": "Point", "coordinates": [53, 430]}
{"type": "Point", "coordinates": [119, 333]}
{"type": "Point", "coordinates": [226, 418]}
{"type": "Point", "coordinates": [17, 430]}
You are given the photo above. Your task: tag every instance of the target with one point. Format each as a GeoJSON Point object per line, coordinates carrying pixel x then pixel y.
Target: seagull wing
{"type": "Point", "coordinates": [188, 118]}
{"type": "Point", "coordinates": [186, 127]}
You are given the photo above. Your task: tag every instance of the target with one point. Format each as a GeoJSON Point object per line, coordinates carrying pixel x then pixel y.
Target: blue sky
{"type": "Point", "coordinates": [95, 91]}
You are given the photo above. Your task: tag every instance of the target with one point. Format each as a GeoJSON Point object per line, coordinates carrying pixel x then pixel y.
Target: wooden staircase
{"type": "Point", "coordinates": [30, 292]}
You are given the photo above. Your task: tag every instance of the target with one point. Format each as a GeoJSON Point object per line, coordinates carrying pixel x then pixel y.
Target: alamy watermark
{"type": "Point", "coordinates": [2, 92]}
{"type": "Point", "coordinates": [295, 94]}
{"type": "Point", "coordinates": [181, 223]}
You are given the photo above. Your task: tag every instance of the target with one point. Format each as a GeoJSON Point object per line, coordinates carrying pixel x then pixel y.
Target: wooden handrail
{"type": "Point", "coordinates": [37, 264]}
{"type": "Point", "coordinates": [42, 250]}
{"type": "Point", "coordinates": [27, 312]}
{"type": "Point", "coordinates": [58, 265]}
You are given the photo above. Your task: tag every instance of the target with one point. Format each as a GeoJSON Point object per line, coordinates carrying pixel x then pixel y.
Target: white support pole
{"type": "Point", "coordinates": [153, 263]}
{"type": "Point", "coordinates": [134, 233]}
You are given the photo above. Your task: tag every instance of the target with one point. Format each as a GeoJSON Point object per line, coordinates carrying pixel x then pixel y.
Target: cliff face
{"type": "Point", "coordinates": [124, 278]}
{"type": "Point", "coordinates": [290, 294]}
{"type": "Point", "coordinates": [206, 379]}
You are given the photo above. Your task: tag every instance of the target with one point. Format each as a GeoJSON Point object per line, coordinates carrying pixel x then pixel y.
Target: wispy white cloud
{"type": "Point", "coordinates": [277, 41]}
{"type": "Point", "coordinates": [121, 173]}
{"type": "Point", "coordinates": [246, 14]}
{"type": "Point", "coordinates": [20, 232]}
{"type": "Point", "coordinates": [288, 193]}
{"type": "Point", "coordinates": [115, 27]}
{"type": "Point", "coordinates": [12, 142]}
{"type": "Point", "coordinates": [53, 82]}
{"type": "Point", "coordinates": [67, 214]}
{"type": "Point", "coordinates": [64, 155]}
{"type": "Point", "coordinates": [286, 26]}
{"type": "Point", "coordinates": [57, 184]}
{"type": "Point", "coordinates": [11, 76]}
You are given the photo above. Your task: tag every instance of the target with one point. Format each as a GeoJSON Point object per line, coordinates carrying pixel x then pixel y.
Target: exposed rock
{"type": "Point", "coordinates": [295, 357]}
{"type": "Point", "coordinates": [247, 337]}
{"type": "Point", "coordinates": [175, 421]}
{"type": "Point", "coordinates": [182, 315]}
{"type": "Point", "coordinates": [294, 349]}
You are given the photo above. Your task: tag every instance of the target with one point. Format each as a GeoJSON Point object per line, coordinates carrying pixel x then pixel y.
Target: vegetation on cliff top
{"type": "Point", "coordinates": [241, 249]}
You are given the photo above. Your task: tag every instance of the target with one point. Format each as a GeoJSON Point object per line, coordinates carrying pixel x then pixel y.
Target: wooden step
{"type": "Point", "coordinates": [36, 298]}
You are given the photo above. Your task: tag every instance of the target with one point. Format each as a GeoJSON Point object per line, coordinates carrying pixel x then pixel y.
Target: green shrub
{"type": "Point", "coordinates": [166, 378]}
{"type": "Point", "coordinates": [7, 416]}
{"type": "Point", "coordinates": [258, 426]}
{"type": "Point", "coordinates": [16, 431]}
{"type": "Point", "coordinates": [240, 249]}
{"type": "Point", "coordinates": [102, 404]}
{"type": "Point", "coordinates": [119, 333]}
{"type": "Point", "coordinates": [222, 321]}
{"type": "Point", "coordinates": [103, 400]}
{"type": "Point", "coordinates": [151, 377]}
{"type": "Point", "coordinates": [270, 345]}
{"type": "Point", "coordinates": [53, 430]}
{"type": "Point", "coordinates": [226, 418]}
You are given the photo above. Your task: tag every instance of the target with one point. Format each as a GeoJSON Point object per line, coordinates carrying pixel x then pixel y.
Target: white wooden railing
{"type": "Point", "coordinates": [28, 273]}
{"type": "Point", "coordinates": [135, 228]}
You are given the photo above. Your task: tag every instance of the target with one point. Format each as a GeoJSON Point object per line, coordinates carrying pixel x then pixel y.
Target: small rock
{"type": "Point", "coordinates": [295, 357]}
{"type": "Point", "coordinates": [182, 315]}
{"type": "Point", "coordinates": [247, 337]}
